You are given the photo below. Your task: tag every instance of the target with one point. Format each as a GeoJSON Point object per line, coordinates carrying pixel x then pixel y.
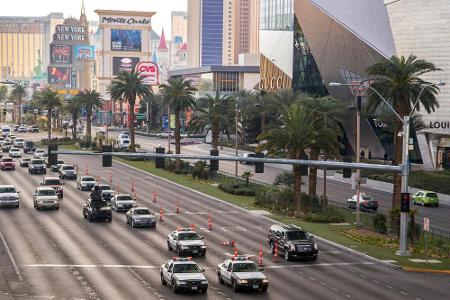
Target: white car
{"type": "Point", "coordinates": [9, 196]}
{"type": "Point", "coordinates": [19, 142]}
{"type": "Point", "coordinates": [39, 153]}
{"type": "Point", "coordinates": [123, 202]}
{"type": "Point", "coordinates": [45, 197]}
{"type": "Point", "coordinates": [165, 134]}
{"type": "Point", "coordinates": [123, 141]}
{"type": "Point", "coordinates": [86, 183]}
{"type": "Point", "coordinates": [15, 152]}
{"type": "Point", "coordinates": [67, 172]}
{"type": "Point", "coordinates": [22, 129]}
{"type": "Point", "coordinates": [183, 275]}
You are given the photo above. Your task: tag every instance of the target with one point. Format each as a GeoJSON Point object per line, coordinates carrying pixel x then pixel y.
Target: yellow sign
{"type": "Point", "coordinates": [67, 92]}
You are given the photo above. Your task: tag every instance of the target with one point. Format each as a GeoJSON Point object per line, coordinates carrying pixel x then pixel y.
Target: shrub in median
{"type": "Point", "coordinates": [242, 190]}
{"type": "Point", "coordinates": [326, 215]}
{"type": "Point", "coordinates": [380, 223]}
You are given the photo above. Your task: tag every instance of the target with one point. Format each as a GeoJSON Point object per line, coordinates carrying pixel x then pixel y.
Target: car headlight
{"type": "Point", "coordinates": [39, 201]}
{"type": "Point", "coordinates": [315, 246]}
{"type": "Point", "coordinates": [265, 280]}
{"type": "Point", "coordinates": [106, 208]}
{"type": "Point", "coordinates": [203, 246]}
{"type": "Point", "coordinates": [243, 281]}
{"type": "Point", "coordinates": [181, 282]}
{"type": "Point", "coordinates": [291, 247]}
{"type": "Point", "coordinates": [204, 282]}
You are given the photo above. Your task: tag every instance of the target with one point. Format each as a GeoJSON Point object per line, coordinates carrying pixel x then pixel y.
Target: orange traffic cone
{"type": "Point", "coordinates": [193, 227]}
{"type": "Point", "coordinates": [210, 227]}
{"type": "Point", "coordinates": [154, 196]}
{"type": "Point", "coordinates": [275, 253]}
{"type": "Point", "coordinates": [161, 214]}
{"type": "Point", "coordinates": [178, 207]}
{"type": "Point", "coordinates": [260, 259]}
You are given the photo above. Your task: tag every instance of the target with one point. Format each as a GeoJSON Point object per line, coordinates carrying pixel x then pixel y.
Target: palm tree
{"type": "Point", "coordinates": [178, 96]}
{"type": "Point", "coordinates": [329, 113]}
{"type": "Point", "coordinates": [18, 93]}
{"type": "Point", "coordinates": [72, 107]}
{"type": "Point", "coordinates": [296, 133]}
{"type": "Point", "coordinates": [215, 114]}
{"type": "Point", "coordinates": [398, 80]}
{"type": "Point", "coordinates": [128, 86]}
{"type": "Point", "coordinates": [90, 100]}
{"type": "Point", "coordinates": [49, 100]}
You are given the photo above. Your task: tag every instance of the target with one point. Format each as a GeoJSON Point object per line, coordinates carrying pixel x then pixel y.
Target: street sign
{"type": "Point", "coordinates": [141, 117]}
{"type": "Point", "coordinates": [148, 71]}
{"type": "Point", "coordinates": [426, 224]}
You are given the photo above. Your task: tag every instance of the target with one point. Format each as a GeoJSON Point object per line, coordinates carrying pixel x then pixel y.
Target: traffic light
{"type": "Point", "coordinates": [52, 157]}
{"type": "Point", "coordinates": [347, 172]}
{"type": "Point", "coordinates": [160, 162]}
{"type": "Point", "coordinates": [214, 164]}
{"type": "Point", "coordinates": [404, 204]}
{"type": "Point", "coordinates": [259, 166]}
{"type": "Point", "coordinates": [107, 159]}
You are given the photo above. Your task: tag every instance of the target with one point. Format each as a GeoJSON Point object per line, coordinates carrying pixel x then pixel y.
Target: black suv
{"type": "Point", "coordinates": [29, 147]}
{"type": "Point", "coordinates": [97, 210]}
{"type": "Point", "coordinates": [292, 242]}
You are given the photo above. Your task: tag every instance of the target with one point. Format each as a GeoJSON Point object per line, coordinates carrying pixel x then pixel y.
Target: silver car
{"type": "Point", "coordinates": [9, 196]}
{"type": "Point", "coordinates": [45, 197]}
{"type": "Point", "coordinates": [140, 217]}
{"type": "Point", "coordinates": [86, 183]}
{"type": "Point", "coordinates": [123, 202]}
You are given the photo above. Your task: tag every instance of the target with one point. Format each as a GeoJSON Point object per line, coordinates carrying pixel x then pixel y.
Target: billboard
{"type": "Point", "coordinates": [70, 33]}
{"type": "Point", "coordinates": [124, 64]}
{"type": "Point", "coordinates": [59, 77]}
{"type": "Point", "coordinates": [83, 52]}
{"type": "Point", "coordinates": [60, 54]}
{"type": "Point", "coordinates": [125, 40]}
{"type": "Point", "coordinates": [148, 71]}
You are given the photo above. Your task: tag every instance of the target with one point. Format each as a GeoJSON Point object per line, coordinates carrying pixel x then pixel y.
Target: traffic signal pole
{"type": "Point", "coordinates": [405, 174]}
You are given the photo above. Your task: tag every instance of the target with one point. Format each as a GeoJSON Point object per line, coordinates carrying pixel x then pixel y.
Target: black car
{"type": "Point", "coordinates": [29, 147]}
{"type": "Point", "coordinates": [97, 210]}
{"type": "Point", "coordinates": [37, 166]}
{"type": "Point", "coordinates": [292, 242]}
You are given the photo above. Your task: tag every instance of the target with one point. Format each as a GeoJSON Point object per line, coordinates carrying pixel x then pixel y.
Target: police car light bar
{"type": "Point", "coordinates": [184, 229]}
{"type": "Point", "coordinates": [175, 258]}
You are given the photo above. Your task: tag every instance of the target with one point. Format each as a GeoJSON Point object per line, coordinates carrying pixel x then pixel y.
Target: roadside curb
{"type": "Point", "coordinates": [420, 270]}
{"type": "Point", "coordinates": [334, 244]}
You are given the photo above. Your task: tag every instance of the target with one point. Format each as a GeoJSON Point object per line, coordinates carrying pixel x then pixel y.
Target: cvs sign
{"type": "Point", "coordinates": [149, 72]}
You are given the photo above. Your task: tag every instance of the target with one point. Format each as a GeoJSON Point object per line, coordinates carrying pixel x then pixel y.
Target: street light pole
{"type": "Point", "coordinates": [358, 160]}
{"type": "Point", "coordinates": [148, 117]}
{"type": "Point", "coordinates": [236, 110]}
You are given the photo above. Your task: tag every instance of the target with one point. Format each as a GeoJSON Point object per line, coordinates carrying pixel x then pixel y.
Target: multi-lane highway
{"type": "Point", "coordinates": [60, 255]}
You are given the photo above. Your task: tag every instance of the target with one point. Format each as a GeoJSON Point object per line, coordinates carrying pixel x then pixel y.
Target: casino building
{"type": "Point", "coordinates": [306, 44]}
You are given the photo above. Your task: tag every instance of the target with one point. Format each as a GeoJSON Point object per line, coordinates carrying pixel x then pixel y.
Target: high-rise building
{"type": "Point", "coordinates": [25, 46]}
{"type": "Point", "coordinates": [179, 27]}
{"type": "Point", "coordinates": [220, 30]}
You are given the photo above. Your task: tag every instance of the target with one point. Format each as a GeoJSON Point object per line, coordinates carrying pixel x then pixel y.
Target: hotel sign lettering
{"type": "Point", "coordinates": [271, 83]}
{"type": "Point", "coordinates": [115, 20]}
{"type": "Point", "coordinates": [439, 125]}
{"type": "Point", "coordinates": [70, 33]}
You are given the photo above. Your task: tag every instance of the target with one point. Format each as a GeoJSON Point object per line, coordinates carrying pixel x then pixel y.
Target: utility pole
{"type": "Point", "coordinates": [236, 110]}
{"type": "Point", "coordinates": [405, 174]}
{"type": "Point", "coordinates": [168, 129]}
{"type": "Point", "coordinates": [324, 194]}
{"type": "Point", "coordinates": [358, 159]}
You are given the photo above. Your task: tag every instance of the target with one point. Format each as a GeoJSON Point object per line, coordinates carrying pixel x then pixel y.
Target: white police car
{"type": "Point", "coordinates": [182, 274]}
{"type": "Point", "coordinates": [186, 241]}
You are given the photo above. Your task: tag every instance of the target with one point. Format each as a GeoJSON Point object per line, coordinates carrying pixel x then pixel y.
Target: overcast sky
{"type": "Point", "coordinates": [72, 8]}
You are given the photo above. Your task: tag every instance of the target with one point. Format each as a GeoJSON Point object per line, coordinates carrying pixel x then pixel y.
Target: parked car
{"type": "Point", "coordinates": [247, 155]}
{"type": "Point", "coordinates": [22, 129]}
{"type": "Point", "coordinates": [426, 198]}
{"type": "Point", "coordinates": [182, 274]}
{"type": "Point", "coordinates": [366, 202]}
{"type": "Point", "coordinates": [29, 147]}
{"type": "Point", "coordinates": [9, 196]}
{"type": "Point", "coordinates": [67, 172]}
{"type": "Point", "coordinates": [140, 217]}
{"type": "Point", "coordinates": [33, 128]}
{"type": "Point", "coordinates": [15, 152]}
{"type": "Point", "coordinates": [94, 210]}
{"type": "Point", "coordinates": [86, 183]}
{"type": "Point", "coordinates": [55, 183]}
{"type": "Point", "coordinates": [36, 166]}
{"type": "Point", "coordinates": [45, 197]}
{"type": "Point", "coordinates": [7, 163]}
{"type": "Point", "coordinates": [19, 143]}
{"type": "Point", "coordinates": [23, 162]}
{"type": "Point", "coordinates": [123, 202]}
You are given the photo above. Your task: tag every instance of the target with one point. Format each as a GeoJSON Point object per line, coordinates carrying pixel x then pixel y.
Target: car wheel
{"type": "Point", "coordinates": [132, 223]}
{"type": "Point", "coordinates": [110, 219]}
{"type": "Point", "coordinates": [287, 256]}
{"type": "Point", "coordinates": [90, 218]}
{"type": "Point", "coordinates": [437, 205]}
{"type": "Point", "coordinates": [205, 290]}
{"type": "Point", "coordinates": [84, 215]}
{"type": "Point", "coordinates": [314, 258]}
{"type": "Point", "coordinates": [163, 281]}
{"type": "Point", "coordinates": [220, 279]}
{"type": "Point", "coordinates": [235, 287]}
{"type": "Point", "coordinates": [174, 287]}
{"type": "Point", "coordinates": [57, 208]}
{"type": "Point", "coordinates": [169, 247]}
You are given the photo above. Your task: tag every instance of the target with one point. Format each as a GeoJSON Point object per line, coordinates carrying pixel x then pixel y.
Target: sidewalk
{"type": "Point", "coordinates": [387, 187]}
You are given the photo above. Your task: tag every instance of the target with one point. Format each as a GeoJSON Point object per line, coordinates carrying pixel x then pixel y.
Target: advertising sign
{"type": "Point", "coordinates": [84, 52]}
{"type": "Point", "coordinates": [148, 71]}
{"type": "Point", "coordinates": [59, 77]}
{"type": "Point", "coordinates": [125, 40]}
{"type": "Point", "coordinates": [124, 64]}
{"type": "Point", "coordinates": [115, 20]}
{"type": "Point", "coordinates": [60, 54]}
{"type": "Point", "coordinates": [70, 33]}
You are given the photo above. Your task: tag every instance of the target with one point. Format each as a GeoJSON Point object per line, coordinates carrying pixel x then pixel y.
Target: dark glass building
{"type": "Point", "coordinates": [212, 33]}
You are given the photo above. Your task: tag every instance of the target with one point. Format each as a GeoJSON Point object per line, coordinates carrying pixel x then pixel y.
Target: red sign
{"type": "Point", "coordinates": [149, 72]}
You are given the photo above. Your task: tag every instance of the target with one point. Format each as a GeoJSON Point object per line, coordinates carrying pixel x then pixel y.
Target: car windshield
{"type": "Point", "coordinates": [188, 236]}
{"type": "Point", "coordinates": [432, 195]}
{"type": "Point", "coordinates": [245, 267]}
{"type": "Point", "coordinates": [296, 235]}
{"type": "Point", "coordinates": [141, 212]}
{"type": "Point", "coordinates": [39, 151]}
{"type": "Point", "coordinates": [367, 198]}
{"type": "Point", "coordinates": [37, 162]}
{"type": "Point", "coordinates": [99, 204]}
{"type": "Point", "coordinates": [19, 140]}
{"type": "Point", "coordinates": [6, 159]}
{"type": "Point", "coordinates": [186, 268]}
{"type": "Point", "coordinates": [46, 193]}
{"type": "Point", "coordinates": [66, 168]}
{"type": "Point", "coordinates": [26, 159]}
{"type": "Point", "coordinates": [14, 150]}
{"type": "Point", "coordinates": [52, 182]}
{"type": "Point", "coordinates": [59, 162]}
{"type": "Point", "coordinates": [87, 179]}
{"type": "Point", "coordinates": [104, 188]}
{"type": "Point", "coordinates": [124, 198]}
{"type": "Point", "coordinates": [7, 190]}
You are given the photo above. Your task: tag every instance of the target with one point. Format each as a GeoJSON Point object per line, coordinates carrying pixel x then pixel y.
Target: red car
{"type": "Point", "coordinates": [7, 163]}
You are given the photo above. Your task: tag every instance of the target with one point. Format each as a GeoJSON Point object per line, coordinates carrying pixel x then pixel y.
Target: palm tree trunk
{"type": "Point", "coordinates": [20, 110]}
{"type": "Point", "coordinates": [131, 125]}
{"type": "Point", "coordinates": [74, 127]}
{"type": "Point", "coordinates": [314, 155]}
{"type": "Point", "coordinates": [121, 111]}
{"type": "Point", "coordinates": [215, 132]}
{"type": "Point", "coordinates": [297, 188]}
{"type": "Point", "coordinates": [177, 138]}
{"type": "Point", "coordinates": [49, 123]}
{"type": "Point", "coordinates": [89, 123]}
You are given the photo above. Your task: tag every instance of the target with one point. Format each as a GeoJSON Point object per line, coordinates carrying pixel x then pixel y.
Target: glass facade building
{"type": "Point", "coordinates": [212, 33]}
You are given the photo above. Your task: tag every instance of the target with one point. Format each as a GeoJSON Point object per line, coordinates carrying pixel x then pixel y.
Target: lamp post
{"type": "Point", "coordinates": [403, 251]}
{"type": "Point", "coordinates": [236, 110]}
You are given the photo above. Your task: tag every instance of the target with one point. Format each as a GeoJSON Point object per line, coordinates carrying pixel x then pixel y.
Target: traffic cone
{"type": "Point", "coordinates": [118, 188]}
{"type": "Point", "coordinates": [210, 227]}
{"type": "Point", "coordinates": [86, 171]}
{"type": "Point", "coordinates": [98, 179]}
{"type": "Point", "coordinates": [132, 186]}
{"type": "Point", "coordinates": [235, 250]}
{"type": "Point", "coordinates": [193, 227]}
{"type": "Point", "coordinates": [154, 196]}
{"type": "Point", "coordinates": [260, 260]}
{"type": "Point", "coordinates": [178, 207]}
{"type": "Point", "coordinates": [110, 177]}
{"type": "Point", "coordinates": [275, 253]}
{"type": "Point", "coordinates": [161, 214]}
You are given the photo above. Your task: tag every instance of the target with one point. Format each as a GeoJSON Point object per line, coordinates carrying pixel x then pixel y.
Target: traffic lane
{"type": "Point", "coordinates": [241, 217]}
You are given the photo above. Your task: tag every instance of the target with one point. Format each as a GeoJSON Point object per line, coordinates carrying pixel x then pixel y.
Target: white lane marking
{"type": "Point", "coordinates": [404, 293]}
{"type": "Point", "coordinates": [363, 276]}
{"type": "Point", "coordinates": [320, 265]}
{"type": "Point", "coordinates": [88, 266]}
{"type": "Point", "coordinates": [376, 281]}
{"type": "Point", "coordinates": [13, 261]}
{"type": "Point", "coordinates": [388, 286]}
{"type": "Point", "coordinates": [323, 283]}
{"type": "Point", "coordinates": [204, 229]}
{"type": "Point", "coordinates": [223, 228]}
{"type": "Point", "coordinates": [241, 228]}
{"type": "Point", "coordinates": [347, 295]}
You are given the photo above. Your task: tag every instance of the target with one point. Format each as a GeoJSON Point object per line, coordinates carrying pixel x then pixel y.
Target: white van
{"type": "Point", "coordinates": [6, 129]}
{"type": "Point", "coordinates": [123, 141]}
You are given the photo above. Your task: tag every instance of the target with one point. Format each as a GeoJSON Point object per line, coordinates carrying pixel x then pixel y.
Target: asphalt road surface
{"type": "Point", "coordinates": [60, 255]}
